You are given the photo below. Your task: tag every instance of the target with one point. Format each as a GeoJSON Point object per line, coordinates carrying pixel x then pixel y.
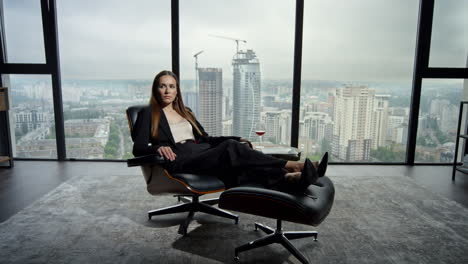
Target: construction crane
{"type": "Point", "coordinates": [235, 39]}
{"type": "Point", "coordinates": [196, 68]}
{"type": "Point", "coordinates": [196, 58]}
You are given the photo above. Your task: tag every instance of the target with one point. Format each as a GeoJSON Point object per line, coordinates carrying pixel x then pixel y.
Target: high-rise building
{"type": "Point", "coordinates": [246, 94]}
{"type": "Point", "coordinates": [400, 134]}
{"type": "Point", "coordinates": [27, 120]}
{"type": "Point", "coordinates": [227, 127]}
{"type": "Point", "coordinates": [361, 120]}
{"type": "Point", "coordinates": [210, 100]}
{"type": "Point", "coordinates": [314, 129]}
{"type": "Point", "coordinates": [278, 126]}
{"type": "Point", "coordinates": [353, 130]}
{"type": "Point", "coordinates": [285, 127]}
{"type": "Point", "coordinates": [226, 107]}
{"type": "Point", "coordinates": [380, 121]}
{"type": "Point", "coordinates": [449, 119]}
{"type": "Point", "coordinates": [393, 123]}
{"type": "Point", "coordinates": [272, 125]}
{"type": "Point", "coordinates": [445, 113]}
{"type": "Point", "coordinates": [317, 126]}
{"type": "Point", "coordinates": [191, 100]}
{"type": "Point", "coordinates": [437, 106]}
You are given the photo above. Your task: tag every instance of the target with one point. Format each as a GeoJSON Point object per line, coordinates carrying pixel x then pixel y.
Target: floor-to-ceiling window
{"type": "Point", "coordinates": [31, 103]}
{"type": "Point", "coordinates": [356, 80]}
{"type": "Point", "coordinates": [110, 52]}
{"type": "Point", "coordinates": [236, 65]}
{"type": "Point", "coordinates": [236, 62]}
{"type": "Point", "coordinates": [440, 98]}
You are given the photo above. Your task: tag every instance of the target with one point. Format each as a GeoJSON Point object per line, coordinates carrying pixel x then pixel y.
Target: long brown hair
{"type": "Point", "coordinates": [177, 104]}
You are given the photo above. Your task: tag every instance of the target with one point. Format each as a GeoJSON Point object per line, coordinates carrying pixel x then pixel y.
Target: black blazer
{"type": "Point", "coordinates": [142, 134]}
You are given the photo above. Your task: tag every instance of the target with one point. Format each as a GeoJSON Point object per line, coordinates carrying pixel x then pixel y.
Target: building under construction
{"type": "Point", "coordinates": [246, 94]}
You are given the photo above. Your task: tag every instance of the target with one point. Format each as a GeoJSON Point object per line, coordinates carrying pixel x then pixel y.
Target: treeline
{"type": "Point", "coordinates": [388, 154]}
{"type": "Point", "coordinates": [111, 150]}
{"type": "Point", "coordinates": [425, 137]}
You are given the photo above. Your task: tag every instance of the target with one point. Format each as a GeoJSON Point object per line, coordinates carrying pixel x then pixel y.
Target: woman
{"type": "Point", "coordinates": [167, 127]}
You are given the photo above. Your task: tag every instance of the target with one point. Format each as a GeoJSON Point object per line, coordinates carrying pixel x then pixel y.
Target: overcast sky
{"type": "Point", "coordinates": [368, 40]}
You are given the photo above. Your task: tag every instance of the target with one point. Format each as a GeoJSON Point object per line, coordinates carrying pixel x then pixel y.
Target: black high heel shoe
{"type": "Point", "coordinates": [322, 166]}
{"type": "Point", "coordinates": [308, 176]}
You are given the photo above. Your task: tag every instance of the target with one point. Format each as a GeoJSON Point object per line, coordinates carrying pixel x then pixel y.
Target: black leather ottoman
{"type": "Point", "coordinates": [310, 208]}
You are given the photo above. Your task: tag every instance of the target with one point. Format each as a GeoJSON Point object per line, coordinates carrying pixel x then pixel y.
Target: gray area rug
{"type": "Point", "coordinates": [91, 219]}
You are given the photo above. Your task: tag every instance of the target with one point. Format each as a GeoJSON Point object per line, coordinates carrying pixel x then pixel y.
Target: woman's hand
{"type": "Point", "coordinates": [167, 153]}
{"type": "Point", "coordinates": [246, 141]}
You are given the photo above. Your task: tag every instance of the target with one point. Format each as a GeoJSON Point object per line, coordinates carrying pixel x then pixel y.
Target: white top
{"type": "Point", "coordinates": [181, 131]}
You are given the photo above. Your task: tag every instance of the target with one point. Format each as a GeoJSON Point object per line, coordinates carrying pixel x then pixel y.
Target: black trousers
{"type": "Point", "coordinates": [231, 161]}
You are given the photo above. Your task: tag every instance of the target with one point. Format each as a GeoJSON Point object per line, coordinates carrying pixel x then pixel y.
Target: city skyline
{"type": "Point", "coordinates": [85, 102]}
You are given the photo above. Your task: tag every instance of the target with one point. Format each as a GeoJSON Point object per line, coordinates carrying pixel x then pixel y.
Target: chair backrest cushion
{"type": "Point", "coordinates": [132, 115]}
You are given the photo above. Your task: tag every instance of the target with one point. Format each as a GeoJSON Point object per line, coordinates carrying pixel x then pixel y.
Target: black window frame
{"type": "Point", "coordinates": [421, 70]}
{"type": "Point", "coordinates": [51, 67]}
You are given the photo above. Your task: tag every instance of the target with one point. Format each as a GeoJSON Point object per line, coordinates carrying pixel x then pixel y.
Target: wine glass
{"type": "Point", "coordinates": [260, 131]}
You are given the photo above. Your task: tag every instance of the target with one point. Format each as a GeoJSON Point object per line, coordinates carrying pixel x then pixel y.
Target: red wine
{"type": "Point", "coordinates": [260, 132]}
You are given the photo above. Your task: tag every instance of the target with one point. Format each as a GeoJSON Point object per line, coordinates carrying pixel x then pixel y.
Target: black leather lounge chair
{"type": "Point", "coordinates": [310, 208]}
{"type": "Point", "coordinates": [184, 185]}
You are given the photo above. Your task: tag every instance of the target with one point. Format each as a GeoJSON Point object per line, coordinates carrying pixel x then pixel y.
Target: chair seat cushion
{"type": "Point", "coordinates": [199, 183]}
{"type": "Point", "coordinates": [309, 208]}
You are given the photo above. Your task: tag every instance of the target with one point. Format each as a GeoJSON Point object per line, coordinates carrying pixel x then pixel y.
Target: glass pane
{"type": "Point", "coordinates": [243, 75]}
{"type": "Point", "coordinates": [32, 116]}
{"type": "Point", "coordinates": [110, 52]}
{"type": "Point", "coordinates": [356, 81]}
{"type": "Point", "coordinates": [449, 45]}
{"type": "Point", "coordinates": [438, 120]}
{"type": "Point", "coordinates": [23, 31]}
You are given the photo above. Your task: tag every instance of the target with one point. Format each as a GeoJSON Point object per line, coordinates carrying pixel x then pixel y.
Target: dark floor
{"type": "Point", "coordinates": [30, 180]}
